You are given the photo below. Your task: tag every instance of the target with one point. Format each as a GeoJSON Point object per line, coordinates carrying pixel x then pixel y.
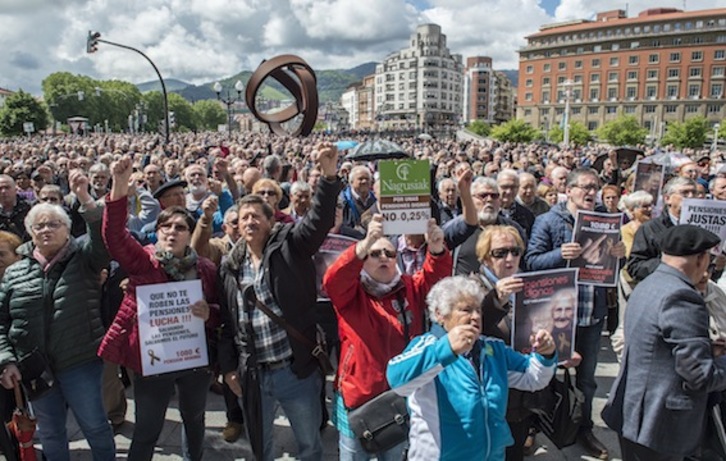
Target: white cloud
{"type": "Point", "coordinates": [587, 9]}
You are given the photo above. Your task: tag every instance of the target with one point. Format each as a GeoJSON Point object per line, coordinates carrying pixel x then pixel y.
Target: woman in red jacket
{"type": "Point", "coordinates": [170, 260]}
{"type": "Point", "coordinates": [379, 310]}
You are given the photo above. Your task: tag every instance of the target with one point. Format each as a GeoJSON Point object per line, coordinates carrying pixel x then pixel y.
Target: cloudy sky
{"type": "Point", "coordinates": [203, 40]}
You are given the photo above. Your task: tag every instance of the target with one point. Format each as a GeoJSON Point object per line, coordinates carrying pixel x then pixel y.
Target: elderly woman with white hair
{"type": "Point", "coordinates": [639, 208]}
{"type": "Point", "coordinates": [50, 325]}
{"type": "Point", "coordinates": [457, 380]}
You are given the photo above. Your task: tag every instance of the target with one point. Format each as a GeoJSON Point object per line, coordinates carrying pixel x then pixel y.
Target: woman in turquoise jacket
{"type": "Point", "coordinates": [457, 381]}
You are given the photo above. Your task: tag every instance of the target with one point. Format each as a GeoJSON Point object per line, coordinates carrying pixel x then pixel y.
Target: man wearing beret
{"type": "Point", "coordinates": [658, 403]}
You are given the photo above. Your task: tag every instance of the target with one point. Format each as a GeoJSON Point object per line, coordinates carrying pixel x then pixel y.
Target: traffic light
{"type": "Point", "coordinates": [92, 41]}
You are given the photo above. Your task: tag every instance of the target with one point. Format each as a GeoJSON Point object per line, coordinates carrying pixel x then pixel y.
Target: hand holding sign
{"type": "Point", "coordinates": [571, 250]}
{"type": "Point", "coordinates": [200, 309]}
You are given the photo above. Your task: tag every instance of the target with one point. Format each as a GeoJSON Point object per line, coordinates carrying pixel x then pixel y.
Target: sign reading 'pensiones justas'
{"type": "Point", "coordinates": [405, 201]}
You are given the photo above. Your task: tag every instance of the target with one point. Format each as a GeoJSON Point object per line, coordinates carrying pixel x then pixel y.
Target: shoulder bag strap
{"type": "Point", "coordinates": [249, 329]}
{"type": "Point", "coordinates": [292, 331]}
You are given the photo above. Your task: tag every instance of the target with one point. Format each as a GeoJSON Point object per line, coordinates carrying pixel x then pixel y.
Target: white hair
{"type": "Point", "coordinates": [300, 186]}
{"type": "Point", "coordinates": [46, 209]}
{"type": "Point", "coordinates": [448, 291]}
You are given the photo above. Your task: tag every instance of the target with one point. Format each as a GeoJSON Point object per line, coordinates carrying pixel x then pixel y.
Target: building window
{"type": "Point", "coordinates": [597, 48]}
{"type": "Point", "coordinates": [528, 96]}
{"type": "Point", "coordinates": [578, 78]}
{"type": "Point", "coordinates": [576, 110]}
{"type": "Point", "coordinates": [527, 112]}
{"type": "Point", "coordinates": [561, 80]}
{"type": "Point", "coordinates": [632, 75]}
{"type": "Point", "coordinates": [694, 72]}
{"type": "Point", "coordinates": [615, 46]}
{"type": "Point", "coordinates": [692, 108]}
{"type": "Point", "coordinates": [529, 69]}
{"type": "Point", "coordinates": [719, 55]}
{"type": "Point", "coordinates": [611, 109]}
{"type": "Point", "coordinates": [671, 109]}
{"type": "Point", "coordinates": [594, 78]}
{"type": "Point", "coordinates": [696, 55]}
{"type": "Point", "coordinates": [675, 57]}
{"type": "Point", "coordinates": [614, 62]}
{"type": "Point", "coordinates": [545, 81]}
{"type": "Point", "coordinates": [714, 108]}
{"type": "Point", "coordinates": [717, 72]}
{"type": "Point", "coordinates": [694, 91]}
{"type": "Point", "coordinates": [528, 83]}
{"type": "Point", "coordinates": [652, 74]}
{"type": "Point", "coordinates": [649, 109]}
{"type": "Point", "coordinates": [546, 67]}
{"type": "Point", "coordinates": [655, 42]}
{"type": "Point", "coordinates": [612, 93]}
{"type": "Point", "coordinates": [593, 110]}
{"type": "Point", "coordinates": [672, 91]}
{"type": "Point", "coordinates": [651, 91]}
{"type": "Point", "coordinates": [716, 90]}
{"type": "Point", "coordinates": [596, 62]}
{"type": "Point", "coordinates": [629, 109]}
{"type": "Point", "coordinates": [634, 45]}
{"type": "Point", "coordinates": [592, 126]}
{"type": "Point", "coordinates": [674, 73]}
{"type": "Point", "coordinates": [612, 76]}
{"type": "Point", "coordinates": [546, 97]}
{"type": "Point", "coordinates": [677, 41]}
{"type": "Point", "coordinates": [633, 59]}
{"type": "Point", "coordinates": [594, 94]}
{"type": "Point", "coordinates": [559, 111]}
{"type": "Point", "coordinates": [561, 66]}
{"type": "Point", "coordinates": [653, 58]}
{"type": "Point", "coordinates": [578, 64]}
{"type": "Point", "coordinates": [631, 92]}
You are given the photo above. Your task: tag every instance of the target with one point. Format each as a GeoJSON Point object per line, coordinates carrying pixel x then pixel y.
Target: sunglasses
{"type": "Point", "coordinates": [176, 227]}
{"type": "Point", "coordinates": [267, 192]}
{"type": "Point", "coordinates": [501, 253]}
{"type": "Point", "coordinates": [486, 195]}
{"type": "Point", "coordinates": [383, 251]}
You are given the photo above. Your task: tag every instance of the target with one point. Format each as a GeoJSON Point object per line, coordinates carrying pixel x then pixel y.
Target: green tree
{"type": "Point", "coordinates": [515, 131]}
{"type": "Point", "coordinates": [623, 131]}
{"type": "Point", "coordinates": [209, 114]}
{"type": "Point", "coordinates": [480, 127]}
{"type": "Point", "coordinates": [19, 108]}
{"type": "Point", "coordinates": [183, 112]}
{"type": "Point", "coordinates": [117, 100]}
{"type": "Point", "coordinates": [691, 133]}
{"type": "Point", "coordinates": [579, 134]}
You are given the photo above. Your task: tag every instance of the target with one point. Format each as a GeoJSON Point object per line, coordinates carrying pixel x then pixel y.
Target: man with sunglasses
{"type": "Point", "coordinates": [486, 197]}
{"type": "Point", "coordinates": [551, 247]}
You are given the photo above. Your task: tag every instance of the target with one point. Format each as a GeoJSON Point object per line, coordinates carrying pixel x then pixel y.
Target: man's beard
{"type": "Point", "coordinates": [487, 217]}
{"type": "Point", "coordinates": [198, 190]}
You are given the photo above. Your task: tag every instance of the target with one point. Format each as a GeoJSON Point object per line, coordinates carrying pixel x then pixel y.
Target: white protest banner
{"type": "Point", "coordinates": [405, 200]}
{"type": "Point", "coordinates": [707, 214]}
{"type": "Point", "coordinates": [170, 337]}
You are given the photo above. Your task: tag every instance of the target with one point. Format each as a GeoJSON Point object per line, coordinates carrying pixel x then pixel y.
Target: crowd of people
{"type": "Point", "coordinates": [86, 221]}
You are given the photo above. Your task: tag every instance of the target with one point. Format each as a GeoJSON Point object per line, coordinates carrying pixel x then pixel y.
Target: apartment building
{"type": "Point", "coordinates": [4, 94]}
{"type": "Point", "coordinates": [488, 94]}
{"type": "Point", "coordinates": [420, 86]}
{"type": "Point", "coordinates": [661, 66]}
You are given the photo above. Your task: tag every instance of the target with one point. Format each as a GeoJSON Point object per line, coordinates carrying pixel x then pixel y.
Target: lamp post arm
{"type": "Point", "coordinates": [163, 85]}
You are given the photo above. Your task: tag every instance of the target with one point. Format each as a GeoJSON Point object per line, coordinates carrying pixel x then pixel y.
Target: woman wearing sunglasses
{"type": "Point", "coordinates": [499, 250]}
{"type": "Point", "coordinates": [379, 311]}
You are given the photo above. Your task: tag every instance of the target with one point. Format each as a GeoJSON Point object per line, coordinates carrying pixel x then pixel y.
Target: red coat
{"type": "Point", "coordinates": [369, 328]}
{"type": "Point", "coordinates": [121, 342]}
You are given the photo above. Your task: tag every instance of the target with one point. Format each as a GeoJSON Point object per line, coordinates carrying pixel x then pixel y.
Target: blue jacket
{"type": "Point", "coordinates": [549, 232]}
{"type": "Point", "coordinates": [456, 414]}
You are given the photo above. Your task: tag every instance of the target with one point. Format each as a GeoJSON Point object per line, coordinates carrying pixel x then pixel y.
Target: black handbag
{"type": "Point", "coordinates": [561, 422]}
{"type": "Point", "coordinates": [381, 423]}
{"type": "Point", "coordinates": [37, 377]}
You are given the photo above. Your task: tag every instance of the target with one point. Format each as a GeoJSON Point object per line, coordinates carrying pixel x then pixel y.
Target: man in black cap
{"type": "Point", "coordinates": [658, 402]}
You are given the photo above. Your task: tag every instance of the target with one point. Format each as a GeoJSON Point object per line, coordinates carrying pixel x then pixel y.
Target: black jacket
{"type": "Point", "coordinates": [14, 221]}
{"type": "Point", "coordinates": [645, 254]}
{"type": "Point", "coordinates": [290, 274]}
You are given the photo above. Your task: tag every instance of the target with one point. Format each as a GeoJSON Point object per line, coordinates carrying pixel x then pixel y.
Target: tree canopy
{"type": "Point", "coordinates": [579, 134]}
{"type": "Point", "coordinates": [20, 108]}
{"type": "Point", "coordinates": [691, 133]}
{"type": "Point", "coordinates": [623, 131]}
{"type": "Point", "coordinates": [515, 131]}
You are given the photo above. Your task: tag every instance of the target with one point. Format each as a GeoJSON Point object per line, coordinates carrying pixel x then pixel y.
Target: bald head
{"type": "Point", "coordinates": [250, 177]}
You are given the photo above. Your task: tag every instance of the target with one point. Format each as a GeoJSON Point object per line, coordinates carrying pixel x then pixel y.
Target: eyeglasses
{"type": "Point", "coordinates": [501, 253]}
{"type": "Point", "coordinates": [176, 227]}
{"type": "Point", "coordinates": [587, 187]}
{"type": "Point", "coordinates": [232, 222]}
{"type": "Point", "coordinates": [704, 163]}
{"type": "Point", "coordinates": [486, 195]}
{"type": "Point", "coordinates": [267, 192]}
{"type": "Point", "coordinates": [383, 251]}
{"type": "Point", "coordinates": [50, 225]}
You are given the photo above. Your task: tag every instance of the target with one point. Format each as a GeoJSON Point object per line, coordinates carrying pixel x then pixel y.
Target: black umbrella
{"type": "Point", "coordinates": [378, 149]}
{"type": "Point", "coordinates": [624, 154]}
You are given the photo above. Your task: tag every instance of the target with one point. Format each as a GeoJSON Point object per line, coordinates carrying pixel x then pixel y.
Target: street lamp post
{"type": "Point", "coordinates": [714, 146]}
{"type": "Point", "coordinates": [229, 101]}
{"type": "Point", "coordinates": [568, 93]}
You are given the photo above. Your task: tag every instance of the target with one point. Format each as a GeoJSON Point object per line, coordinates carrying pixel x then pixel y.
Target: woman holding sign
{"type": "Point", "coordinates": [170, 260]}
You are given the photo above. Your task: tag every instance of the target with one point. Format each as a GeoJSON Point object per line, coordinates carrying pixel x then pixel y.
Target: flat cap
{"type": "Point", "coordinates": [687, 240]}
{"type": "Point", "coordinates": [168, 185]}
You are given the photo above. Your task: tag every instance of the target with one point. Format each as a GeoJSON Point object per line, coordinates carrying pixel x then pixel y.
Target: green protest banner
{"type": "Point", "coordinates": [405, 188]}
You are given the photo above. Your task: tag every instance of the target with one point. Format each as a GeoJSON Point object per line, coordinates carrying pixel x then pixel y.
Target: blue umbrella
{"type": "Point", "coordinates": [346, 144]}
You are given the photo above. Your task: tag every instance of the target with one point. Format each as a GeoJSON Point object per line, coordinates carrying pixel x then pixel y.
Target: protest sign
{"type": "Point", "coordinates": [548, 301]}
{"type": "Point", "coordinates": [332, 247]}
{"type": "Point", "coordinates": [649, 178]}
{"type": "Point", "coordinates": [405, 200]}
{"type": "Point", "coordinates": [597, 234]}
{"type": "Point", "coordinates": [170, 337]}
{"type": "Point", "coordinates": [707, 214]}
